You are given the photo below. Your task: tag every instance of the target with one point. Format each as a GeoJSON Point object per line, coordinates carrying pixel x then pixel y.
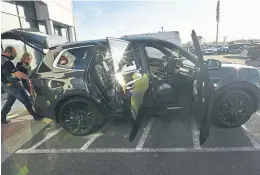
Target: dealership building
{"type": "Point", "coordinates": [53, 17]}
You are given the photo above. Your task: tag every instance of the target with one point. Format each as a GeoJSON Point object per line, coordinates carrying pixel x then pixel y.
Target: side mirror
{"type": "Point", "coordinates": [213, 64]}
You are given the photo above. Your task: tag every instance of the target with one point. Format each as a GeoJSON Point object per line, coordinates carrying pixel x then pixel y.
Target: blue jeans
{"type": "Point", "coordinates": [16, 91]}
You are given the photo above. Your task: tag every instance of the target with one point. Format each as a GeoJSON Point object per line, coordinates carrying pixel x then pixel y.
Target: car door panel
{"type": "Point", "coordinates": [203, 92]}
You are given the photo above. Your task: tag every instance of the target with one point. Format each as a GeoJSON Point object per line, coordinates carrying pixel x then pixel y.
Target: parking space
{"type": "Point", "coordinates": [173, 133]}
{"type": "Point", "coordinates": [164, 145]}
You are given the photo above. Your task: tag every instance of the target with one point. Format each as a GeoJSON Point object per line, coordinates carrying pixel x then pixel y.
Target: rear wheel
{"type": "Point", "coordinates": [233, 109]}
{"type": "Point", "coordinates": [79, 116]}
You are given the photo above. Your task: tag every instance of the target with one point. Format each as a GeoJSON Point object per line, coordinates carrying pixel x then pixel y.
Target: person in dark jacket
{"type": "Point", "coordinates": [24, 66]}
{"type": "Point", "coordinates": [10, 78]}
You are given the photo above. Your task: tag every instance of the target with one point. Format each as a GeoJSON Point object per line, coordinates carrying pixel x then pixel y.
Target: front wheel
{"type": "Point", "coordinates": [233, 109]}
{"type": "Point", "coordinates": [79, 116]}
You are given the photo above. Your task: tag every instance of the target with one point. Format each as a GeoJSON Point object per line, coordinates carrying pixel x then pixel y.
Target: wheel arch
{"type": "Point", "coordinates": [68, 96]}
{"type": "Point", "coordinates": [249, 88]}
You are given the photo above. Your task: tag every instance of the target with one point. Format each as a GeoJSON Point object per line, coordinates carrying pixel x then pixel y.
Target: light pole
{"type": "Point", "coordinates": [217, 19]}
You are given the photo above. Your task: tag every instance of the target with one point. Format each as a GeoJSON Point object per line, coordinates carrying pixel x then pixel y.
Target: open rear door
{"type": "Point", "coordinates": [203, 92]}
{"type": "Point", "coordinates": [131, 84]}
{"type": "Point", "coordinates": [34, 38]}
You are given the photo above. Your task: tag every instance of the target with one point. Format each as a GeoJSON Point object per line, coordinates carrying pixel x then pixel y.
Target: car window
{"type": "Point", "coordinates": [76, 58]}
{"type": "Point", "coordinates": [153, 52]}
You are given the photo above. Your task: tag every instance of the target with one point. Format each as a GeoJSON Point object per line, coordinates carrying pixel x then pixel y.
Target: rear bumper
{"type": "Point", "coordinates": [45, 113]}
{"type": "Point", "coordinates": [42, 107]}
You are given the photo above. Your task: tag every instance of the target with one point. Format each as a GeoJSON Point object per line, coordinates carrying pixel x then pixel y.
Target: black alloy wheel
{"type": "Point", "coordinates": [78, 116]}
{"type": "Point", "coordinates": [234, 109]}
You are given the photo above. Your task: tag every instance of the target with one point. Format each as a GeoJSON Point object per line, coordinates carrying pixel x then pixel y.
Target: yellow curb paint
{"type": "Point", "coordinates": [46, 120]}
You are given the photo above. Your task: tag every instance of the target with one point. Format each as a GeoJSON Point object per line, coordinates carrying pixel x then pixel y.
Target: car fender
{"type": "Point", "coordinates": [83, 94]}
{"type": "Point", "coordinates": [250, 88]}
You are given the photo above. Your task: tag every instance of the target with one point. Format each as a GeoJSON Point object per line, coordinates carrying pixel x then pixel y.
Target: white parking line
{"type": "Point", "coordinates": [251, 137]}
{"type": "Point", "coordinates": [144, 135]}
{"type": "Point", "coordinates": [195, 133]}
{"type": "Point", "coordinates": [49, 135]}
{"type": "Point", "coordinates": [95, 136]}
{"type": "Point", "coordinates": [133, 150]}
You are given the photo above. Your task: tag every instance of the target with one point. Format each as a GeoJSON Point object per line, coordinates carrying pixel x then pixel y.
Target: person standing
{"type": "Point", "coordinates": [24, 66]}
{"type": "Point", "coordinates": [10, 78]}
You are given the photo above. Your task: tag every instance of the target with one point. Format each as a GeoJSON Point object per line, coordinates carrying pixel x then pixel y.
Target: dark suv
{"type": "Point", "coordinates": [81, 84]}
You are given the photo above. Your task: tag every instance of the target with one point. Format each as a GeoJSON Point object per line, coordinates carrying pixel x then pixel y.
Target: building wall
{"type": "Point", "coordinates": [61, 11]}
{"type": "Point", "coordinates": [58, 17]}
{"type": "Point", "coordinates": [19, 15]}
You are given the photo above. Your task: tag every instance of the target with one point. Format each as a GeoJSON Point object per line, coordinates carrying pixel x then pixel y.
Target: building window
{"type": "Point", "coordinates": [9, 22]}
{"type": "Point", "coordinates": [73, 34]}
{"type": "Point", "coordinates": [64, 33]}
{"type": "Point", "coordinates": [57, 30]}
{"type": "Point", "coordinates": [42, 27]}
{"type": "Point", "coordinates": [26, 9]}
{"type": "Point", "coordinates": [8, 8]}
{"type": "Point", "coordinates": [27, 23]}
{"type": "Point", "coordinates": [21, 10]}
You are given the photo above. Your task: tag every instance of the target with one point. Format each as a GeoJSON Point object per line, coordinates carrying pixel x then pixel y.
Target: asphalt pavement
{"type": "Point", "coordinates": [165, 145]}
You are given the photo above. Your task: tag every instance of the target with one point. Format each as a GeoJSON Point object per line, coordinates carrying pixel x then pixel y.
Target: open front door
{"type": "Point", "coordinates": [131, 83]}
{"type": "Point", "coordinates": [203, 91]}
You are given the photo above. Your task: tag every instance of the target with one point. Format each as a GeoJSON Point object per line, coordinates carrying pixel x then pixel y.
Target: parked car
{"type": "Point", "coordinates": [222, 49]}
{"type": "Point", "coordinates": [254, 51]}
{"type": "Point", "coordinates": [255, 62]}
{"type": "Point", "coordinates": [209, 50]}
{"type": "Point", "coordinates": [237, 48]}
{"type": "Point", "coordinates": [81, 84]}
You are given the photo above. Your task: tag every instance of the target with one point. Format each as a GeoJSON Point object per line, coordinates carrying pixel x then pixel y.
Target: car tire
{"type": "Point", "coordinates": [79, 116]}
{"type": "Point", "coordinates": [226, 112]}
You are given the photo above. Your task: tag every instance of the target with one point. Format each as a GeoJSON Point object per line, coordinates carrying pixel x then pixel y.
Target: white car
{"type": "Point", "coordinates": [210, 50]}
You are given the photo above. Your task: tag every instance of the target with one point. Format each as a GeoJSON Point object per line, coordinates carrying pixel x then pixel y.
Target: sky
{"type": "Point", "coordinates": [100, 19]}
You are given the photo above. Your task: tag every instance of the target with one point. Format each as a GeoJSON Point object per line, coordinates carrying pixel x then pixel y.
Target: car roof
{"type": "Point", "coordinates": [103, 41]}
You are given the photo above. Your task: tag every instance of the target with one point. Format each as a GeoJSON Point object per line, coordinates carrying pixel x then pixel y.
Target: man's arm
{"type": "Point", "coordinates": [21, 75]}
{"type": "Point", "coordinates": [11, 70]}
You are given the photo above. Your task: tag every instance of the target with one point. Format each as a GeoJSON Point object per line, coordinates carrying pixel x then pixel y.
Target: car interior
{"type": "Point", "coordinates": [101, 73]}
{"type": "Point", "coordinates": [171, 80]}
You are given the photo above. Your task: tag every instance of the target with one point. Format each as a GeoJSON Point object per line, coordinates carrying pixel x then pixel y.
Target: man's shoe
{"type": "Point", "coordinates": [4, 122]}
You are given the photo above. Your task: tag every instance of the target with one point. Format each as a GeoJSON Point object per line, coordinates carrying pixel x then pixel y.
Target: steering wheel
{"type": "Point", "coordinates": [163, 72]}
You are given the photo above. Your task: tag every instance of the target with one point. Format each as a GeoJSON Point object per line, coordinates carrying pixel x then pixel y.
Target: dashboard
{"type": "Point", "coordinates": [168, 67]}
{"type": "Point", "coordinates": [186, 68]}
